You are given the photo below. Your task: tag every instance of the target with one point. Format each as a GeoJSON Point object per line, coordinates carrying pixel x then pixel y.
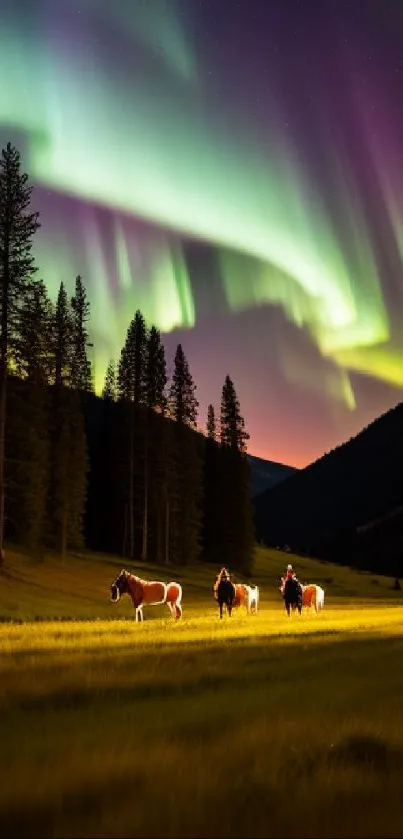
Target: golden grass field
{"type": "Point", "coordinates": [251, 726]}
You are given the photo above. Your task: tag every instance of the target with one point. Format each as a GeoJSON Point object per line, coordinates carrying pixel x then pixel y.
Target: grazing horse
{"type": "Point", "coordinates": [291, 590]}
{"type": "Point", "coordinates": [313, 596]}
{"type": "Point", "coordinates": [147, 593]}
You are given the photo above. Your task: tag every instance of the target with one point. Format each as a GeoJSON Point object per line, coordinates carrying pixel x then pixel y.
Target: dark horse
{"type": "Point", "coordinates": [225, 594]}
{"type": "Point", "coordinates": [292, 595]}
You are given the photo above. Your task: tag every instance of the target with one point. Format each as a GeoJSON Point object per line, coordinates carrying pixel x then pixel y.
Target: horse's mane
{"type": "Point", "coordinates": [135, 577]}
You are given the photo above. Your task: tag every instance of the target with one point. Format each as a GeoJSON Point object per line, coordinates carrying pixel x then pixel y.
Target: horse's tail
{"type": "Point", "coordinates": [174, 595]}
{"type": "Point", "coordinates": [320, 598]}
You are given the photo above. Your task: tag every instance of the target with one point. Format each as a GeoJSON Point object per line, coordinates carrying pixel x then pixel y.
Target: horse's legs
{"type": "Point", "coordinates": [175, 609]}
{"type": "Point", "coordinates": [299, 608]}
{"type": "Point", "coordinates": [174, 605]}
{"type": "Point", "coordinates": [229, 607]}
{"type": "Point", "coordinates": [221, 609]}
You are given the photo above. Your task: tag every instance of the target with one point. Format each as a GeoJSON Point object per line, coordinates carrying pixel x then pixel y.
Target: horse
{"type": "Point", "coordinates": [253, 599]}
{"type": "Point", "coordinates": [313, 596]}
{"type": "Point", "coordinates": [147, 593]}
{"type": "Point", "coordinates": [225, 594]}
{"type": "Point", "coordinates": [247, 596]}
{"type": "Point", "coordinates": [292, 592]}
{"type": "Point", "coordinates": [233, 595]}
{"type": "Point", "coordinates": [241, 595]}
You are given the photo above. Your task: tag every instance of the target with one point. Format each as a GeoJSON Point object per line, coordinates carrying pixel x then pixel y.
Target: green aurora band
{"type": "Point", "coordinates": [156, 152]}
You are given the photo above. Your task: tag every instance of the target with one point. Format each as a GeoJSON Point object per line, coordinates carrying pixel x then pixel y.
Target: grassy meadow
{"type": "Point", "coordinates": [250, 726]}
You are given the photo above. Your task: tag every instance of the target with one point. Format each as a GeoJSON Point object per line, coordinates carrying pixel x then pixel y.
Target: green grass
{"type": "Point", "coordinates": [255, 726]}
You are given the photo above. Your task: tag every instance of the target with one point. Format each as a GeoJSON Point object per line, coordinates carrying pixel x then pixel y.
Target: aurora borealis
{"type": "Point", "coordinates": [232, 169]}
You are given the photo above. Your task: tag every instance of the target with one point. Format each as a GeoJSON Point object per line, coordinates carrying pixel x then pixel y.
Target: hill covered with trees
{"type": "Point", "coordinates": [127, 471]}
{"type": "Point", "coordinates": [347, 506]}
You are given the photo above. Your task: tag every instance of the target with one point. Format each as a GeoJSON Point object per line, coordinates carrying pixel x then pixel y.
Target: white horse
{"type": "Point", "coordinates": [252, 602]}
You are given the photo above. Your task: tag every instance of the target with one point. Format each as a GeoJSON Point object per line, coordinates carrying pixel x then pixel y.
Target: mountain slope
{"type": "Point", "coordinates": [321, 509]}
{"type": "Point", "coordinates": [267, 473]}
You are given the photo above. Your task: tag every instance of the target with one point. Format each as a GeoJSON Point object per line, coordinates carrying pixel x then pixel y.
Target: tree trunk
{"type": "Point", "coordinates": [63, 534]}
{"type": "Point", "coordinates": [159, 530]}
{"type": "Point", "coordinates": [131, 488]}
{"type": "Point", "coordinates": [3, 396]}
{"type": "Point", "coordinates": [125, 534]}
{"type": "Point", "coordinates": [145, 512]}
{"type": "Point", "coordinates": [166, 530]}
{"type": "Point", "coordinates": [3, 408]}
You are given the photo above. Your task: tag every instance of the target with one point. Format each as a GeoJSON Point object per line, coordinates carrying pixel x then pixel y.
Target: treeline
{"type": "Point", "coordinates": [126, 472]}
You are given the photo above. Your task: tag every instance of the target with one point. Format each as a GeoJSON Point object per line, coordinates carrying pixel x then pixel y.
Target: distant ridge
{"type": "Point", "coordinates": [265, 474]}
{"type": "Point", "coordinates": [326, 509]}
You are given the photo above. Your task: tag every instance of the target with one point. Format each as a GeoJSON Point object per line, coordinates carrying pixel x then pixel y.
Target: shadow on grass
{"type": "Point", "coordinates": [40, 820]}
{"type": "Point", "coordinates": [161, 673]}
{"type": "Point", "coordinates": [82, 807]}
{"type": "Point", "coordinates": [214, 740]}
{"type": "Point", "coordinates": [363, 752]}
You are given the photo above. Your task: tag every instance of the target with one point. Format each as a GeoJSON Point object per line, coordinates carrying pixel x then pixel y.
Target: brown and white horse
{"type": "Point", "coordinates": [241, 595]}
{"type": "Point", "coordinates": [313, 596]}
{"type": "Point", "coordinates": [147, 593]}
{"type": "Point", "coordinates": [247, 596]}
{"type": "Point", "coordinates": [234, 595]}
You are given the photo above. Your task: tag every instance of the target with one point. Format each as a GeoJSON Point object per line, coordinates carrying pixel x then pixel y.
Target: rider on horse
{"type": "Point", "coordinates": [289, 575]}
{"type": "Point", "coordinates": [223, 575]}
{"type": "Point", "coordinates": [292, 591]}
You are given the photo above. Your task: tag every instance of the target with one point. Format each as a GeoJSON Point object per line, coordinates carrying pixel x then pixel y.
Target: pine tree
{"type": "Point", "coordinates": [186, 518]}
{"type": "Point", "coordinates": [237, 537]}
{"type": "Point", "coordinates": [81, 378]}
{"type": "Point", "coordinates": [211, 424]}
{"type": "Point", "coordinates": [212, 501]}
{"type": "Point", "coordinates": [61, 339]}
{"type": "Point", "coordinates": [182, 396]}
{"type": "Point", "coordinates": [132, 389]}
{"type": "Point", "coordinates": [232, 429]}
{"type": "Point", "coordinates": [109, 392]}
{"type": "Point", "coordinates": [33, 361]}
{"type": "Point", "coordinates": [156, 460]}
{"type": "Point", "coordinates": [69, 457]}
{"type": "Point", "coordinates": [32, 354]}
{"type": "Point", "coordinates": [17, 228]}
{"type": "Point", "coordinates": [132, 364]}
{"type": "Point", "coordinates": [156, 372]}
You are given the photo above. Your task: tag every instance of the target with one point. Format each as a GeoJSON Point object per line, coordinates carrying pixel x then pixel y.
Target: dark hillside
{"type": "Point", "coordinates": [321, 509]}
{"type": "Point", "coordinates": [266, 473]}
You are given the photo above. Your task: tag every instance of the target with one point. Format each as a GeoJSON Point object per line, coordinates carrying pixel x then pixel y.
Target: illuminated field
{"type": "Point", "coordinates": [256, 726]}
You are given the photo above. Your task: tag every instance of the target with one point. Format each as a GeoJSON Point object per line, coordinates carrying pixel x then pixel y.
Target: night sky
{"type": "Point", "coordinates": [234, 170]}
